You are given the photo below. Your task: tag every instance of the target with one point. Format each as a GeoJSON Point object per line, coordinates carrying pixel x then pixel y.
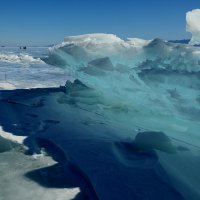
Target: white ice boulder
{"type": "Point", "coordinates": [193, 25]}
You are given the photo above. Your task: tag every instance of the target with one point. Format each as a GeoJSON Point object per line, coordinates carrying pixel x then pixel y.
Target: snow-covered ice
{"type": "Point", "coordinates": [11, 137]}
{"type": "Point", "coordinates": [14, 185]}
{"type": "Point", "coordinates": [21, 58]}
{"type": "Point", "coordinates": [25, 69]}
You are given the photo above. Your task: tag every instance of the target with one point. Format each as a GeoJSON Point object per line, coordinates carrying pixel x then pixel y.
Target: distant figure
{"type": "Point", "coordinates": [24, 47]}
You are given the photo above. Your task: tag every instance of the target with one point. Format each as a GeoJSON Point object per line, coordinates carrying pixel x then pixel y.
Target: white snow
{"type": "Point", "coordinates": [193, 25]}
{"type": "Point", "coordinates": [10, 136]}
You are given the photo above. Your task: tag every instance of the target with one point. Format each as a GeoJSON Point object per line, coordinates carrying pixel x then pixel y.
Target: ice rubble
{"type": "Point", "coordinates": [155, 78]}
{"type": "Point", "coordinates": [77, 51]}
{"type": "Point", "coordinates": [193, 25]}
{"type": "Point", "coordinates": [20, 58]}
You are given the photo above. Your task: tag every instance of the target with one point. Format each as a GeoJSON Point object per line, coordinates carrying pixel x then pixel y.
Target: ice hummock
{"type": "Point", "coordinates": [156, 78]}
{"type": "Point", "coordinates": [21, 58]}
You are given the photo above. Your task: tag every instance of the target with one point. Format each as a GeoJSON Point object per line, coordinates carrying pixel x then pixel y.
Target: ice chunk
{"type": "Point", "coordinates": [193, 25]}
{"type": "Point", "coordinates": [154, 140]}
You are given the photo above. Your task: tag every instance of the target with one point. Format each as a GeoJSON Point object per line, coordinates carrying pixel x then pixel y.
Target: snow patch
{"type": "Point", "coordinates": [14, 185]}
{"type": "Point", "coordinates": [10, 136]}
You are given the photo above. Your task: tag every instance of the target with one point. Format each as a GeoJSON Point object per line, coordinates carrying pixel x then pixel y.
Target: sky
{"type": "Point", "coordinates": [46, 22]}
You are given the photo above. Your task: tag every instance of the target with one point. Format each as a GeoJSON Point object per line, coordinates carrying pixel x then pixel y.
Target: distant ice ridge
{"type": "Point", "coordinates": [193, 25]}
{"type": "Point", "coordinates": [21, 58]}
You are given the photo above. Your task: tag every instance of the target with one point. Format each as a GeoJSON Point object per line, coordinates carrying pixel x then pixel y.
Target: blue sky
{"type": "Point", "coordinates": [42, 22]}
